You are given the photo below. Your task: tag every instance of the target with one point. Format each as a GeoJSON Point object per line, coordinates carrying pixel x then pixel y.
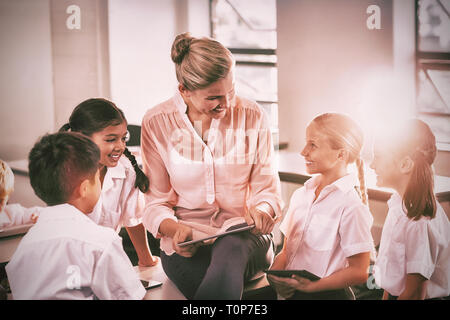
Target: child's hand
{"type": "Point", "coordinates": [34, 218]}
{"type": "Point", "coordinates": [281, 285]}
{"type": "Point", "coordinates": [148, 262]}
{"type": "Point", "coordinates": [303, 284]}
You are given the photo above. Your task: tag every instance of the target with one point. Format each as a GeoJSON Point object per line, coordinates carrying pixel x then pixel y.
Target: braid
{"type": "Point", "coordinates": [362, 182]}
{"type": "Point", "coordinates": [65, 127]}
{"type": "Point", "coordinates": [142, 181]}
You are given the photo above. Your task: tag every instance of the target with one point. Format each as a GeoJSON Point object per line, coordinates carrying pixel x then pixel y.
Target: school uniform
{"type": "Point", "coordinates": [120, 203]}
{"type": "Point", "coordinates": [15, 215]}
{"type": "Point", "coordinates": [65, 255]}
{"type": "Point", "coordinates": [322, 234]}
{"type": "Point", "coordinates": [408, 246]}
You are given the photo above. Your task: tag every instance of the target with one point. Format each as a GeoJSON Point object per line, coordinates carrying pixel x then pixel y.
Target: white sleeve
{"type": "Point", "coordinates": [114, 277]}
{"type": "Point", "coordinates": [15, 215]}
{"type": "Point", "coordinates": [420, 249]}
{"type": "Point", "coordinates": [354, 230]}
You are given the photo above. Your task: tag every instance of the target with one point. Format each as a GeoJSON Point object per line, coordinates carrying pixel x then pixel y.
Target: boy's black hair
{"type": "Point", "coordinates": [59, 162]}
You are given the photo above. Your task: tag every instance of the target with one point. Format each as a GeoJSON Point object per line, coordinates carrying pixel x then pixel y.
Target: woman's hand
{"type": "Point", "coordinates": [184, 233]}
{"type": "Point", "coordinates": [262, 219]}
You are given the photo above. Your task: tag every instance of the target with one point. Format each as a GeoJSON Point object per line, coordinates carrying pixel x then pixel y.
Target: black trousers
{"type": "Point", "coordinates": [219, 270]}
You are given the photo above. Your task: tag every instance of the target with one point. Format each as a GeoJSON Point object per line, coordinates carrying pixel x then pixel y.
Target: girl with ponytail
{"type": "Point", "coordinates": [327, 225]}
{"type": "Point", "coordinates": [121, 201]}
{"type": "Point", "coordinates": [414, 256]}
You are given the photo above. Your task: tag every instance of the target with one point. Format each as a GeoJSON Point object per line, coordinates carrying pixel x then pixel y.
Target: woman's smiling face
{"type": "Point", "coordinates": [214, 100]}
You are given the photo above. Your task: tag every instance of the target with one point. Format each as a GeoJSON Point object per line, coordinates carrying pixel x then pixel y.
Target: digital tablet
{"type": "Point", "coordinates": [233, 229]}
{"type": "Point", "coordinates": [289, 273]}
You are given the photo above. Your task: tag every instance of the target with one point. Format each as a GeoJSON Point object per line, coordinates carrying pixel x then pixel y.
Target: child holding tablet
{"type": "Point", "coordinates": [327, 226]}
{"type": "Point", "coordinates": [414, 257]}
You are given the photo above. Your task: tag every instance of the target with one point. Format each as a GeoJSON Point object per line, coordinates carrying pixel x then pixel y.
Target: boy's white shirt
{"type": "Point", "coordinates": [120, 203]}
{"type": "Point", "coordinates": [409, 246]}
{"type": "Point", "coordinates": [321, 234]}
{"type": "Point", "coordinates": [65, 255]}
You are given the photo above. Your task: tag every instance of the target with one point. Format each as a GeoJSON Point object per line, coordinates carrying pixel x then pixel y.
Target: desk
{"type": "Point", "coordinates": [168, 290]}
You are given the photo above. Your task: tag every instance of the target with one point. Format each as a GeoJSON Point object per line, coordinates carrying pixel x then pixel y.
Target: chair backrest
{"type": "Point", "coordinates": [135, 135]}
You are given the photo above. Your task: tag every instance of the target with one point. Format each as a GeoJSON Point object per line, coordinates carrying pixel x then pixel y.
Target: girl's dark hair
{"type": "Point", "coordinates": [59, 162]}
{"type": "Point", "coordinates": [94, 115]}
{"type": "Point", "coordinates": [420, 144]}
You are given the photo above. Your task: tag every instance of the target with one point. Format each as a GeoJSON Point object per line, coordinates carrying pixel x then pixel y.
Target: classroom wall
{"type": "Point", "coordinates": [26, 90]}
{"type": "Point", "coordinates": [329, 61]}
{"type": "Point", "coordinates": [121, 52]}
{"type": "Point", "coordinates": [80, 56]}
{"type": "Point", "coordinates": [141, 33]}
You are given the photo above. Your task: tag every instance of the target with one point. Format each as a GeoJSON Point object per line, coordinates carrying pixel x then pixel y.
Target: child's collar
{"type": "Point", "coordinates": [345, 183]}
{"type": "Point", "coordinates": [117, 172]}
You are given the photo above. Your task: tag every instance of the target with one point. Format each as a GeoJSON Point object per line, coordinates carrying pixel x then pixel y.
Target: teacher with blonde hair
{"type": "Point", "coordinates": [209, 156]}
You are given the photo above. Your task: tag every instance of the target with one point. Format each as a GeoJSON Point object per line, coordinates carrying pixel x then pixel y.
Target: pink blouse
{"type": "Point", "coordinates": [206, 184]}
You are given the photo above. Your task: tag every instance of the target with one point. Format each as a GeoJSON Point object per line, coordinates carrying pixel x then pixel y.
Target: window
{"type": "Point", "coordinates": [433, 67]}
{"type": "Point", "coordinates": [251, 36]}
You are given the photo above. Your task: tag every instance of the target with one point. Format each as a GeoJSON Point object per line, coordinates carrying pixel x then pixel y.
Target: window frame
{"type": "Point", "coordinates": [426, 60]}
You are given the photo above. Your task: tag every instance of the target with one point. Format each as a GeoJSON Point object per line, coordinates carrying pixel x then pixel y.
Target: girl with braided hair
{"type": "Point", "coordinates": [327, 226]}
{"type": "Point", "coordinates": [121, 200]}
{"type": "Point", "coordinates": [414, 257]}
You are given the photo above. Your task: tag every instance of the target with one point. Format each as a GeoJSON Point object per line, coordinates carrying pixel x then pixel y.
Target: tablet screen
{"type": "Point", "coordinates": [233, 229]}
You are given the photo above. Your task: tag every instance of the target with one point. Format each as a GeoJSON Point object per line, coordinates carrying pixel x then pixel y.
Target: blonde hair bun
{"type": "Point", "coordinates": [180, 47]}
{"type": "Point", "coordinates": [199, 62]}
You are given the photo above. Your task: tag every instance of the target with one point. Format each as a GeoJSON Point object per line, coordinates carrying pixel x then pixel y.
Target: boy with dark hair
{"type": "Point", "coordinates": [65, 255]}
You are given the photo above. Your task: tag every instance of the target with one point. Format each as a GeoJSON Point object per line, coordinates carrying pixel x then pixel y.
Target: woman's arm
{"type": "Point", "coordinates": [265, 202]}
{"type": "Point", "coordinates": [160, 198]}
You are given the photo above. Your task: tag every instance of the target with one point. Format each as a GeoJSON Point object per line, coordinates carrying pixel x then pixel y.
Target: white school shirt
{"type": "Point", "coordinates": [321, 234]}
{"type": "Point", "coordinates": [409, 246]}
{"type": "Point", "coordinates": [120, 203]}
{"type": "Point", "coordinates": [65, 255]}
